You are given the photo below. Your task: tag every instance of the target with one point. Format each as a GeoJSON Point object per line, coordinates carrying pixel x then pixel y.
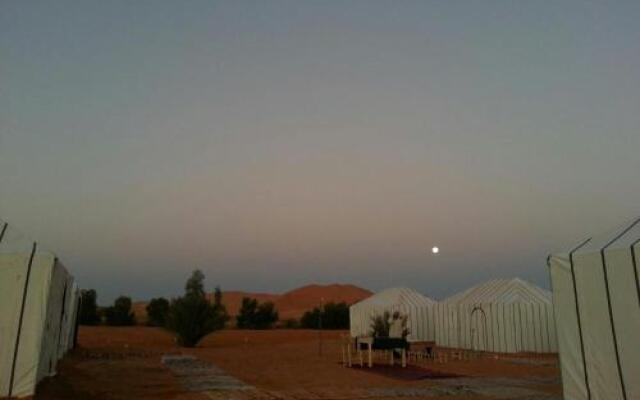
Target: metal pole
{"type": "Point", "coordinates": [320, 327]}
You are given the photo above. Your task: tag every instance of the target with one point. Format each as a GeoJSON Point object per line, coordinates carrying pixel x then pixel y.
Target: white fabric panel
{"type": "Point", "coordinates": [510, 317]}
{"type": "Point", "coordinates": [596, 327]}
{"type": "Point", "coordinates": [417, 307]}
{"type": "Point", "coordinates": [39, 329]}
{"type": "Point", "coordinates": [33, 324]}
{"type": "Point", "coordinates": [626, 315]}
{"type": "Point", "coordinates": [599, 318]}
{"type": "Point", "coordinates": [13, 273]}
{"type": "Point", "coordinates": [15, 251]}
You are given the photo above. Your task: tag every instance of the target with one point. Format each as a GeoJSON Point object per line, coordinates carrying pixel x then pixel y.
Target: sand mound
{"type": "Point", "coordinates": [292, 304]}
{"type": "Point", "coordinates": [295, 303]}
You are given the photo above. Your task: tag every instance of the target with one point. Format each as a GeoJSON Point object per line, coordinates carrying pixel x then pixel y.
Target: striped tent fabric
{"type": "Point", "coordinates": [418, 308]}
{"type": "Point", "coordinates": [38, 310]}
{"type": "Point", "coordinates": [501, 315]}
{"type": "Point", "coordinates": [596, 296]}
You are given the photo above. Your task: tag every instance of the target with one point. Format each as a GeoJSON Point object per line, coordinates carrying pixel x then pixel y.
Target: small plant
{"type": "Point", "coordinates": [192, 317]}
{"type": "Point", "coordinates": [157, 312]}
{"type": "Point", "coordinates": [120, 313]}
{"type": "Point", "coordinates": [383, 324]}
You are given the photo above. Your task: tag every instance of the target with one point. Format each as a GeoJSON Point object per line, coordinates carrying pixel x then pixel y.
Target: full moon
{"type": "Point", "coordinates": [435, 250]}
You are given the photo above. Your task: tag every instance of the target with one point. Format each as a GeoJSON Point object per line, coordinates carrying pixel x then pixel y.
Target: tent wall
{"type": "Point", "coordinates": [418, 308]}
{"type": "Point", "coordinates": [31, 288]}
{"type": "Point", "coordinates": [596, 296]}
{"type": "Point", "coordinates": [498, 316]}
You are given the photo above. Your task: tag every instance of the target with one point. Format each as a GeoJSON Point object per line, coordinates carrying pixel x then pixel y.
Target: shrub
{"type": "Point", "coordinates": [253, 315]}
{"type": "Point", "coordinates": [157, 312]}
{"type": "Point", "coordinates": [220, 311]}
{"type": "Point", "coordinates": [311, 319]}
{"type": "Point", "coordinates": [120, 313]}
{"type": "Point", "coordinates": [381, 324]}
{"type": "Point", "coordinates": [88, 307]}
{"type": "Point", "coordinates": [192, 317]}
{"type": "Point", "coordinates": [333, 315]}
{"type": "Point", "coordinates": [246, 315]}
{"type": "Point", "coordinates": [290, 323]}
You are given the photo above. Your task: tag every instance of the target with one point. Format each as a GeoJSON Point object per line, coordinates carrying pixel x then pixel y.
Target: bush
{"type": "Point", "coordinates": [220, 311]}
{"type": "Point", "coordinates": [311, 319]}
{"type": "Point", "coordinates": [192, 317]}
{"type": "Point", "coordinates": [253, 315]}
{"type": "Point", "coordinates": [333, 315]}
{"type": "Point", "coordinates": [381, 324]}
{"type": "Point", "coordinates": [290, 323]}
{"type": "Point", "coordinates": [89, 308]}
{"type": "Point", "coordinates": [120, 313]}
{"type": "Point", "coordinates": [157, 312]}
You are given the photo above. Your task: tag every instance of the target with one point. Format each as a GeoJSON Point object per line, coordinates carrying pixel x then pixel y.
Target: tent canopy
{"type": "Point", "coordinates": [417, 307]}
{"type": "Point", "coordinates": [596, 296]}
{"type": "Point", "coordinates": [38, 309]}
{"type": "Point", "coordinates": [504, 291]}
{"type": "Point", "coordinates": [501, 315]}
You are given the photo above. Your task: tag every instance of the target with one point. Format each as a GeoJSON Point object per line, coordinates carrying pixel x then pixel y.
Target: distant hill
{"type": "Point", "coordinates": [295, 303]}
{"type": "Point", "coordinates": [291, 304]}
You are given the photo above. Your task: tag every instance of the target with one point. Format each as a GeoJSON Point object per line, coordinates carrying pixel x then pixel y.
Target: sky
{"type": "Point", "coordinates": [276, 144]}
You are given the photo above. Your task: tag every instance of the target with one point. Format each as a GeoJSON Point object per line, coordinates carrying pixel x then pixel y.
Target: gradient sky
{"type": "Point", "coordinates": [274, 144]}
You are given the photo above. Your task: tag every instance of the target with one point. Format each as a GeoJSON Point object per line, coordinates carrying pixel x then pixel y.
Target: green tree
{"type": "Point", "coordinates": [246, 316]}
{"type": "Point", "coordinates": [89, 307]}
{"type": "Point", "coordinates": [311, 319]}
{"type": "Point", "coordinates": [266, 315]}
{"type": "Point", "coordinates": [192, 316]}
{"type": "Point", "coordinates": [120, 313]}
{"type": "Point", "coordinates": [222, 316]}
{"type": "Point", "coordinates": [157, 312]}
{"type": "Point", "coordinates": [333, 315]}
{"type": "Point", "coordinates": [254, 315]}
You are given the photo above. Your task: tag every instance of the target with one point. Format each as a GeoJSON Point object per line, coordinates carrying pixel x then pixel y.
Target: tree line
{"type": "Point", "coordinates": [192, 316]}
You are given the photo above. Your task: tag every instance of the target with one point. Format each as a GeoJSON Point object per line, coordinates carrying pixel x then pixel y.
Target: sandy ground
{"type": "Point", "coordinates": [125, 363]}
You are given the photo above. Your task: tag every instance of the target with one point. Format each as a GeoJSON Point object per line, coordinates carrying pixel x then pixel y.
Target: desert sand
{"type": "Point", "coordinates": [125, 363]}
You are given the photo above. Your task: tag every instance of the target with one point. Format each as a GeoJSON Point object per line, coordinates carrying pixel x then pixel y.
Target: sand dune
{"type": "Point", "coordinates": [291, 304]}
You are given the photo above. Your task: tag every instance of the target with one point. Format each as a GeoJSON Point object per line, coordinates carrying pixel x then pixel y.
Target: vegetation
{"type": "Point", "coordinates": [332, 315]}
{"type": "Point", "coordinates": [220, 311]}
{"type": "Point", "coordinates": [291, 323]}
{"type": "Point", "coordinates": [89, 307]}
{"type": "Point", "coordinates": [158, 312]}
{"type": "Point", "coordinates": [192, 316]}
{"type": "Point", "coordinates": [254, 315]}
{"type": "Point", "coordinates": [381, 324]}
{"type": "Point", "coordinates": [120, 313]}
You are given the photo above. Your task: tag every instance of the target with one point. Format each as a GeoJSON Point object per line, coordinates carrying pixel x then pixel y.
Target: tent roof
{"type": "Point", "coordinates": [13, 241]}
{"type": "Point", "coordinates": [502, 291]}
{"type": "Point", "coordinates": [396, 296]}
{"type": "Point", "coordinates": [621, 237]}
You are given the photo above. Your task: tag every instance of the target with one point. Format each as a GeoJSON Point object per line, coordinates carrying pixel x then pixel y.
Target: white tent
{"type": "Point", "coordinates": [417, 307]}
{"type": "Point", "coordinates": [596, 295]}
{"type": "Point", "coordinates": [38, 309]}
{"type": "Point", "coordinates": [502, 315]}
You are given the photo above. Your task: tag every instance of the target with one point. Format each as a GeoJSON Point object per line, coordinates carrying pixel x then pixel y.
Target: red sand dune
{"type": "Point", "coordinates": [292, 304]}
{"type": "Point", "coordinates": [295, 303]}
